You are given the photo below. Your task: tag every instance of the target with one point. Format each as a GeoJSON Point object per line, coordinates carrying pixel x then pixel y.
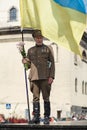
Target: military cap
{"type": "Point", "coordinates": [36, 33]}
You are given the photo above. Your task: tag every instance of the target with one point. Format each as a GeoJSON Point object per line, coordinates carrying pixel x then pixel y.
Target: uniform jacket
{"type": "Point", "coordinates": [42, 63]}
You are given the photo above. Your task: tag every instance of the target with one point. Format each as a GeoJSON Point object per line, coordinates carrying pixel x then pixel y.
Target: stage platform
{"type": "Point", "coordinates": [60, 125]}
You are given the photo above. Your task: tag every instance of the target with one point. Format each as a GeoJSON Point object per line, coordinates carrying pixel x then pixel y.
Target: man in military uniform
{"type": "Point", "coordinates": [42, 71]}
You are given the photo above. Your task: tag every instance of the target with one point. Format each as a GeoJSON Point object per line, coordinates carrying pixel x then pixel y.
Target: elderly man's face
{"type": "Point", "coordinates": [39, 40]}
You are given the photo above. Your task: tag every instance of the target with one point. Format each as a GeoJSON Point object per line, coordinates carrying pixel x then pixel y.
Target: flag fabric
{"type": "Point", "coordinates": [61, 21]}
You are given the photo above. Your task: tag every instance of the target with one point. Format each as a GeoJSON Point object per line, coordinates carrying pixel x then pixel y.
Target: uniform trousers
{"type": "Point", "coordinates": [38, 86]}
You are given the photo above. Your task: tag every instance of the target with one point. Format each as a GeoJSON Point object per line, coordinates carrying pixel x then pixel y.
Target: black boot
{"type": "Point", "coordinates": [36, 111]}
{"type": "Point", "coordinates": [46, 112]}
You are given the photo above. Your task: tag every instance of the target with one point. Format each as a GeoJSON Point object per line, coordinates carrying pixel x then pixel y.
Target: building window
{"type": "Point", "coordinates": [75, 59]}
{"type": "Point", "coordinates": [55, 51]}
{"type": "Point", "coordinates": [75, 84]}
{"type": "Point", "coordinates": [82, 87]}
{"type": "Point", "coordinates": [83, 41]}
{"type": "Point", "coordinates": [13, 14]}
{"type": "Point", "coordinates": [84, 57]}
{"type": "Point", "coordinates": [86, 88]}
{"type": "Point", "coordinates": [84, 53]}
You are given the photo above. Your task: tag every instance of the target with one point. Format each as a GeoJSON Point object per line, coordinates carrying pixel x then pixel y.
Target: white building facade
{"type": "Point", "coordinates": [69, 90]}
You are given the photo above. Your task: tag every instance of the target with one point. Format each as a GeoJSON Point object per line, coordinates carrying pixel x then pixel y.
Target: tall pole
{"type": "Point", "coordinates": [27, 94]}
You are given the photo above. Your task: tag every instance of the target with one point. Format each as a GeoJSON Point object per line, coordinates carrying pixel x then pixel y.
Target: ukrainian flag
{"type": "Point", "coordinates": [61, 21]}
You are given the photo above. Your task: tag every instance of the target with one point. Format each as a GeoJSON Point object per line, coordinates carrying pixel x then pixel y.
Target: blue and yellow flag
{"type": "Point", "coordinates": [61, 21]}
